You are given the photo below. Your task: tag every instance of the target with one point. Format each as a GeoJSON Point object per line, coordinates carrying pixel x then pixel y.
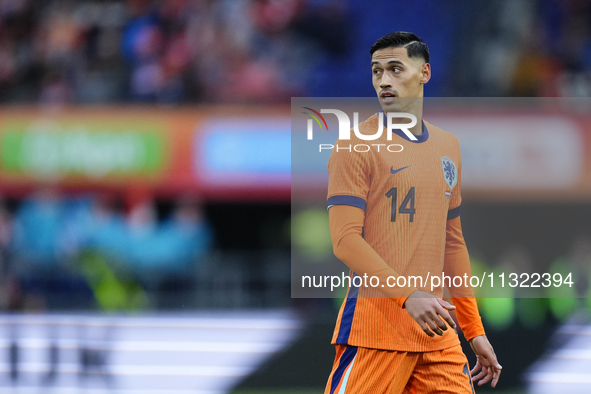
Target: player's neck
{"type": "Point", "coordinates": [417, 129]}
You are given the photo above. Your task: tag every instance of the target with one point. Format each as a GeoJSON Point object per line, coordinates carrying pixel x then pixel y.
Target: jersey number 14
{"type": "Point", "coordinates": [407, 206]}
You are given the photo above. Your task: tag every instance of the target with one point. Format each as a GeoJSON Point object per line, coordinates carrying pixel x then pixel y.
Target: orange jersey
{"type": "Point", "coordinates": [409, 199]}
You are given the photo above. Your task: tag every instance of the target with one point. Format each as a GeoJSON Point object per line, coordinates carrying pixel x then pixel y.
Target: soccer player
{"type": "Point", "coordinates": [397, 214]}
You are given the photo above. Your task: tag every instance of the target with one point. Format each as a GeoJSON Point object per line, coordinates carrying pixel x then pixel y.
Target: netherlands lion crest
{"type": "Point", "coordinates": [450, 172]}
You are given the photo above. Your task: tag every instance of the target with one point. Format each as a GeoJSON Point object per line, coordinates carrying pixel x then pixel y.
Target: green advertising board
{"type": "Point", "coordinates": [84, 149]}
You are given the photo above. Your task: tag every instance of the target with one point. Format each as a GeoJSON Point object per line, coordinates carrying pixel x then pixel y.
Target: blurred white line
{"type": "Point", "coordinates": [149, 346]}
{"type": "Point", "coordinates": [221, 322]}
{"type": "Point", "coordinates": [136, 370]}
{"type": "Point", "coordinates": [560, 377]}
{"type": "Point", "coordinates": [74, 390]}
{"type": "Point", "coordinates": [578, 354]}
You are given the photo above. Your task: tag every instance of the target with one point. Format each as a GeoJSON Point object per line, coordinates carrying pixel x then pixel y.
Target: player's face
{"type": "Point", "coordinates": [396, 75]}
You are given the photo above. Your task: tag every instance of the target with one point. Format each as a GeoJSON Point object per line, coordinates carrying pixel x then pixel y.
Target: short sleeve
{"type": "Point", "coordinates": [349, 175]}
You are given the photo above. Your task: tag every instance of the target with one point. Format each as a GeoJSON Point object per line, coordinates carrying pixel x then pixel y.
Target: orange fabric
{"type": "Point", "coordinates": [346, 223]}
{"type": "Point", "coordinates": [377, 371]}
{"type": "Point", "coordinates": [404, 227]}
{"type": "Point", "coordinates": [457, 263]}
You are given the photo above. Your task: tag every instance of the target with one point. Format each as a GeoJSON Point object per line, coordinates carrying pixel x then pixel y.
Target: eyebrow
{"type": "Point", "coordinates": [390, 62]}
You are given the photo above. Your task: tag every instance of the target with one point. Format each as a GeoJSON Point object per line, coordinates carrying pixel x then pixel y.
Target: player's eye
{"type": "Point", "coordinates": [396, 70]}
{"type": "Point", "coordinates": [377, 71]}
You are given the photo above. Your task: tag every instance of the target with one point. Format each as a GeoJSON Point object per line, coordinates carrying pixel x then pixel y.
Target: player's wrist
{"type": "Point", "coordinates": [477, 336]}
{"type": "Point", "coordinates": [404, 299]}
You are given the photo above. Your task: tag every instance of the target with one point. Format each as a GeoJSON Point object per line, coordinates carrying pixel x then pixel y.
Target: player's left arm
{"type": "Point", "coordinates": [457, 263]}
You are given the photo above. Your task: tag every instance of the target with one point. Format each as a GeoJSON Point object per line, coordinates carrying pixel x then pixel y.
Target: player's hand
{"type": "Point", "coordinates": [430, 312]}
{"type": "Point", "coordinates": [486, 362]}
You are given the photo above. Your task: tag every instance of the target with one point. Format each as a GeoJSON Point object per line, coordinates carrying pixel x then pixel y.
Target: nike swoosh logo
{"type": "Point", "coordinates": [393, 171]}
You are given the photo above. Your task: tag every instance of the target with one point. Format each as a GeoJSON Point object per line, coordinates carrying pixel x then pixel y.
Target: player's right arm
{"type": "Point", "coordinates": [346, 225]}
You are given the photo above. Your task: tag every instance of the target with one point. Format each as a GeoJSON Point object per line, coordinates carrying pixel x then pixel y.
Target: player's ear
{"type": "Point", "coordinates": [425, 73]}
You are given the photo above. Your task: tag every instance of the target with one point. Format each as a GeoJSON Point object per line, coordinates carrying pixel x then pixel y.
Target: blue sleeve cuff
{"type": "Point", "coordinates": [454, 213]}
{"type": "Point", "coordinates": [353, 201]}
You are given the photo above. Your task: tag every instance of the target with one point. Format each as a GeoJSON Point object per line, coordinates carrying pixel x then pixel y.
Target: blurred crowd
{"type": "Point", "coordinates": [556, 55]}
{"type": "Point", "coordinates": [262, 51]}
{"type": "Point", "coordinates": [172, 51]}
{"type": "Point", "coordinates": [56, 248]}
{"type": "Point", "coordinates": [525, 48]}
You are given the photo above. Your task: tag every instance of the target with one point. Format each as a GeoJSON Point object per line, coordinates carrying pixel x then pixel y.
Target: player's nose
{"type": "Point", "coordinates": [385, 82]}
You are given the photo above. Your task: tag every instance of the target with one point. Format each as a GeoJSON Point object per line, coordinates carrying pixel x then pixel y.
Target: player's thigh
{"type": "Point", "coordinates": [358, 370]}
{"type": "Point", "coordinates": [444, 371]}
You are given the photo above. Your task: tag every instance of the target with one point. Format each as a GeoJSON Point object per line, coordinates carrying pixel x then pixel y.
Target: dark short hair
{"type": "Point", "coordinates": [414, 45]}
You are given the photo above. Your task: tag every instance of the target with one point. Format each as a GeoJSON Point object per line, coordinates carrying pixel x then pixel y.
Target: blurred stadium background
{"type": "Point", "coordinates": [146, 216]}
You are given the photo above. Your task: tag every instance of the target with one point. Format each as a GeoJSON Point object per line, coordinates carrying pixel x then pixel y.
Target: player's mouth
{"type": "Point", "coordinates": [387, 97]}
